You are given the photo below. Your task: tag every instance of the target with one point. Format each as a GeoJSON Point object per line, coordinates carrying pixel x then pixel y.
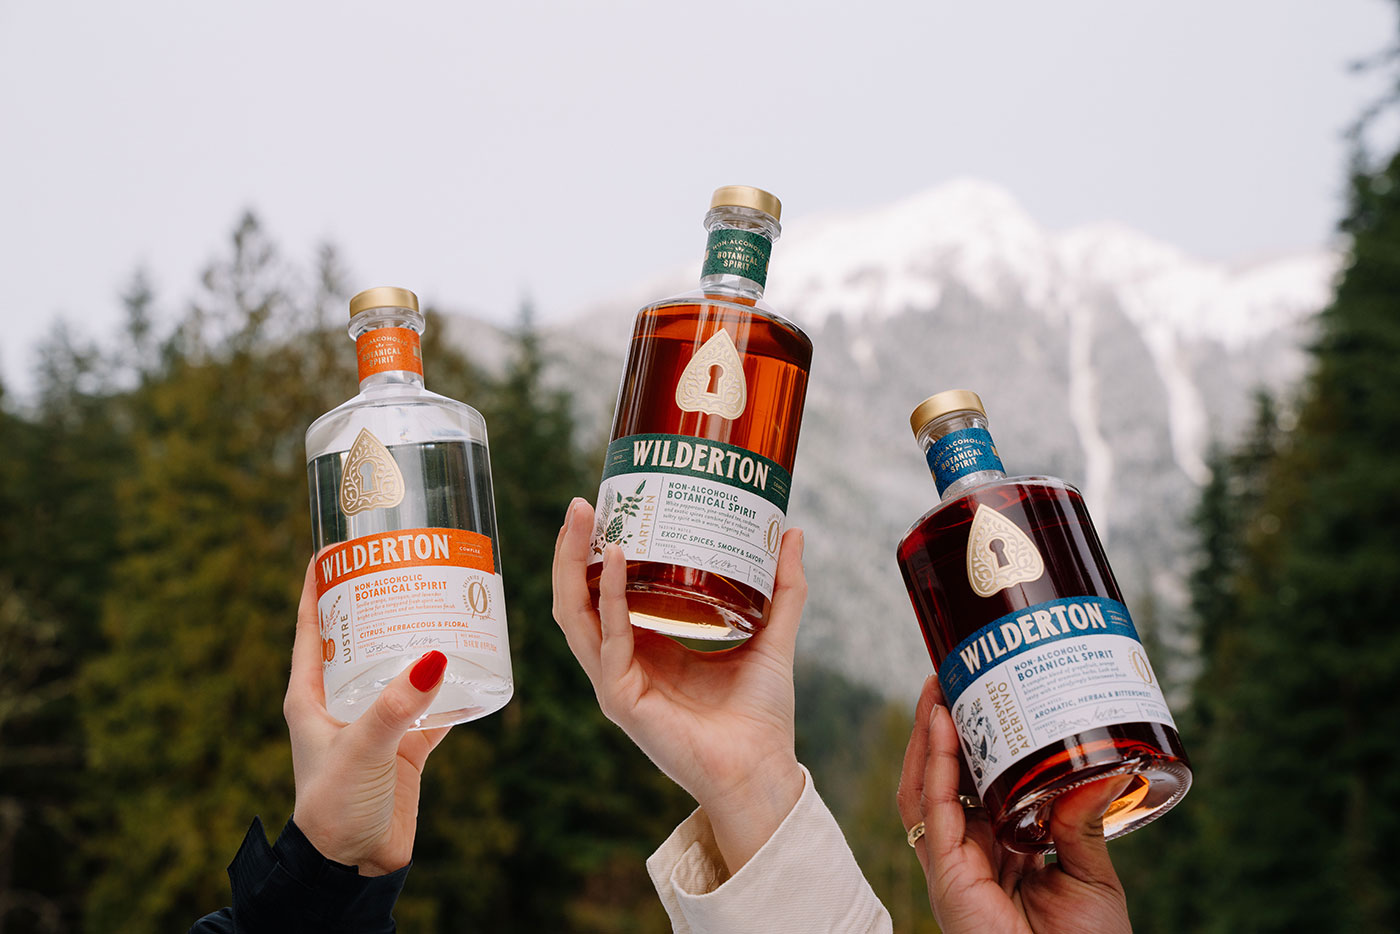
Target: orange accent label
{"type": "Point", "coordinates": [384, 349]}
{"type": "Point", "coordinates": [405, 548]}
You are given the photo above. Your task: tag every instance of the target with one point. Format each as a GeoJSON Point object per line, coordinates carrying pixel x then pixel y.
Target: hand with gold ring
{"type": "Point", "coordinates": [977, 885]}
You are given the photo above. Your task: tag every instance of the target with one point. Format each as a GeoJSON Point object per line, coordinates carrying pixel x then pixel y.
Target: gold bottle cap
{"type": "Point", "coordinates": [385, 296]}
{"type": "Point", "coordinates": [936, 406]}
{"type": "Point", "coordinates": [742, 196]}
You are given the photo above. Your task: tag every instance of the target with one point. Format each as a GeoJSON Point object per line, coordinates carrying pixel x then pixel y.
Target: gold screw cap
{"type": "Point", "coordinates": [742, 196]}
{"type": "Point", "coordinates": [936, 406]}
{"type": "Point", "coordinates": [384, 296]}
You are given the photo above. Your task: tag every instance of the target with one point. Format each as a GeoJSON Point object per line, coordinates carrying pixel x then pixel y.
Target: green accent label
{"type": "Point", "coordinates": [723, 463]}
{"type": "Point", "coordinates": [737, 253]}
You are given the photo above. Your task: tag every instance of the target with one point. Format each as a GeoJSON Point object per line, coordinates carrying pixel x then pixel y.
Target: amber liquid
{"type": "Point", "coordinates": [933, 559]}
{"type": "Point", "coordinates": [777, 356]}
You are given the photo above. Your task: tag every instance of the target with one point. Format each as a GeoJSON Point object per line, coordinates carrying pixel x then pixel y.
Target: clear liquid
{"type": "Point", "coordinates": [447, 485]}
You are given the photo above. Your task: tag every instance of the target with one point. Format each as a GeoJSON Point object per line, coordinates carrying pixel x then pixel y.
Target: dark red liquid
{"type": "Point", "coordinates": [933, 560]}
{"type": "Point", "coordinates": [776, 358]}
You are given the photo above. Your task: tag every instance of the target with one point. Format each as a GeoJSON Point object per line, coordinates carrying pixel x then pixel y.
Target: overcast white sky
{"type": "Point", "coordinates": [479, 152]}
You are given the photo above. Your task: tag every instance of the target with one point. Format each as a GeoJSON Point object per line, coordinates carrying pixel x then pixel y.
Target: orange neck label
{"type": "Point", "coordinates": [387, 349]}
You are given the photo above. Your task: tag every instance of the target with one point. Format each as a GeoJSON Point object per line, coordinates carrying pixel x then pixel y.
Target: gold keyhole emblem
{"type": "Point", "coordinates": [999, 554]}
{"type": "Point", "coordinates": [730, 393]}
{"type": "Point", "coordinates": [370, 479]}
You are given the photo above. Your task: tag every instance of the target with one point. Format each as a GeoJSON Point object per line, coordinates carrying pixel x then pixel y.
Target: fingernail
{"type": "Point", "coordinates": [1114, 788]}
{"type": "Point", "coordinates": [569, 513]}
{"type": "Point", "coordinates": [427, 671]}
{"type": "Point", "coordinates": [933, 714]}
{"type": "Point", "coordinates": [801, 548]}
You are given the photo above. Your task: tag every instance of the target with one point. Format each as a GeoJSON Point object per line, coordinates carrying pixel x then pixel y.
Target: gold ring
{"type": "Point", "coordinates": [915, 833]}
{"type": "Point", "coordinates": [969, 802]}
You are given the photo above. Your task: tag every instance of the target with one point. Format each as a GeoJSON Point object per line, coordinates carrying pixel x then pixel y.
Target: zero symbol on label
{"type": "Point", "coordinates": [774, 535]}
{"type": "Point", "coordinates": [1143, 669]}
{"type": "Point", "coordinates": [477, 597]}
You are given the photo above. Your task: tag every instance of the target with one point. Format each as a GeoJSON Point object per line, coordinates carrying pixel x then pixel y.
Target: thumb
{"type": "Point", "coordinates": [1076, 824]}
{"type": "Point", "coordinates": [379, 730]}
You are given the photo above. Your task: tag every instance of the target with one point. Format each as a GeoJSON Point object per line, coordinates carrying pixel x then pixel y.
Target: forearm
{"type": "Point", "coordinates": [803, 878]}
{"type": "Point", "coordinates": [749, 812]}
{"type": "Point", "coordinates": [292, 888]}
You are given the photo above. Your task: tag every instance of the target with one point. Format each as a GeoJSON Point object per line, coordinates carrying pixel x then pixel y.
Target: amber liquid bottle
{"type": "Point", "coordinates": [704, 437]}
{"type": "Point", "coordinates": [1040, 665]}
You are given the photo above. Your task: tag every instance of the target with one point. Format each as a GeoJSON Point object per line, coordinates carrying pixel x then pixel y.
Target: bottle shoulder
{"type": "Point", "coordinates": [757, 307]}
{"type": "Point", "coordinates": [398, 414]}
{"type": "Point", "coordinates": [1010, 488]}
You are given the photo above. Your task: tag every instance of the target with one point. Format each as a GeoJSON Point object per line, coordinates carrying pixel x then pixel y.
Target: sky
{"type": "Point", "coordinates": [564, 151]}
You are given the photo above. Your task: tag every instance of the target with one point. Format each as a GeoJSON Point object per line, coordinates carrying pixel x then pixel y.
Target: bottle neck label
{"type": "Point", "coordinates": [960, 453]}
{"type": "Point", "coordinates": [384, 350]}
{"type": "Point", "coordinates": [737, 253]}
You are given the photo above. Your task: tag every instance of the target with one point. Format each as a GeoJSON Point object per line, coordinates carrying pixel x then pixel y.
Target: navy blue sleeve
{"type": "Point", "coordinates": [290, 887]}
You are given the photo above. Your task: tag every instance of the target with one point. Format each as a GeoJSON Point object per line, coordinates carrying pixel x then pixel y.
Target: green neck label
{"type": "Point", "coordinates": [737, 253]}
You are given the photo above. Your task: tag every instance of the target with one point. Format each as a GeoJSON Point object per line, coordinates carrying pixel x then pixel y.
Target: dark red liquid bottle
{"type": "Point", "coordinates": [1040, 665]}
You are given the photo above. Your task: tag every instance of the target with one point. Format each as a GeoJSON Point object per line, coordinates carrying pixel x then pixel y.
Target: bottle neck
{"type": "Point", "coordinates": [737, 251]}
{"type": "Point", "coordinates": [388, 347]}
{"type": "Point", "coordinates": [960, 452]}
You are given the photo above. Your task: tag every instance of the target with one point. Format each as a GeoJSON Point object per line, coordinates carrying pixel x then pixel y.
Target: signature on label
{"type": "Point", "coordinates": [1066, 726]}
{"type": "Point", "coordinates": [721, 563]}
{"type": "Point", "coordinates": [1111, 712]}
{"type": "Point", "coordinates": [420, 641]}
{"type": "Point", "coordinates": [681, 555]}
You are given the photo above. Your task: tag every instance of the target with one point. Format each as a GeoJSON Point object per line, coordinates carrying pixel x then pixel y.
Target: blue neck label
{"type": "Point", "coordinates": [960, 453]}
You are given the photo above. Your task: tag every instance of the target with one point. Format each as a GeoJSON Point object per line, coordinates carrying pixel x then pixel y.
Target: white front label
{"type": "Point", "coordinates": [407, 592]}
{"type": "Point", "coordinates": [696, 523]}
{"type": "Point", "coordinates": [1040, 675]}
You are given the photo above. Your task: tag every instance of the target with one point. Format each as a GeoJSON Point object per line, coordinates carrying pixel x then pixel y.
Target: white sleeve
{"type": "Point", "coordinates": [804, 880]}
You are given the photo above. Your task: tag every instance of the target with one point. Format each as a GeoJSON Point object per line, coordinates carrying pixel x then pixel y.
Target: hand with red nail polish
{"type": "Point", "coordinates": [357, 783]}
{"type": "Point", "coordinates": [977, 885]}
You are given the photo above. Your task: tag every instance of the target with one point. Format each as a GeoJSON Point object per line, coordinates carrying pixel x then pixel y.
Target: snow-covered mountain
{"type": "Point", "coordinates": [1103, 356]}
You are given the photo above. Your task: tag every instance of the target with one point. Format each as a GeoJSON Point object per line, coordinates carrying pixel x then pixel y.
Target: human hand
{"type": "Point", "coordinates": [720, 724]}
{"type": "Point", "coordinates": [977, 885]}
{"type": "Point", "coordinates": [357, 783]}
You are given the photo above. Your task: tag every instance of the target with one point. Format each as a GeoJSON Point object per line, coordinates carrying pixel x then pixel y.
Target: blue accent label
{"type": "Point", "coordinates": [1032, 630]}
{"type": "Point", "coordinates": [960, 453]}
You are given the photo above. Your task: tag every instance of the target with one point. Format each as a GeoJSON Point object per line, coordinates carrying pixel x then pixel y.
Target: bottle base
{"type": "Point", "coordinates": [685, 615]}
{"type": "Point", "coordinates": [1158, 785]}
{"type": "Point", "coordinates": [469, 691]}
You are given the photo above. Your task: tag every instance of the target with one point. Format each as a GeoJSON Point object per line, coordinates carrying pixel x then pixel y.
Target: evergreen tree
{"type": "Point", "coordinates": [182, 711]}
{"type": "Point", "coordinates": [1298, 779]}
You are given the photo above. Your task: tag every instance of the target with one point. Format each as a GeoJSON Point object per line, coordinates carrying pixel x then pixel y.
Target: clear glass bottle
{"type": "Point", "coordinates": [1040, 664]}
{"type": "Point", "coordinates": [704, 438]}
{"type": "Point", "coordinates": [404, 525]}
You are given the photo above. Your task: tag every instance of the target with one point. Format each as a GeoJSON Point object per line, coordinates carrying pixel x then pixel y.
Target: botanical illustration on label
{"type": "Point", "coordinates": [999, 554]}
{"type": "Point", "coordinates": [383, 350]}
{"type": "Point", "coordinates": [713, 381]}
{"type": "Point", "coordinates": [959, 453]}
{"type": "Point", "coordinates": [370, 478]}
{"type": "Point", "coordinates": [701, 504]}
{"type": "Point", "coordinates": [737, 253]}
{"type": "Point", "coordinates": [1042, 674]}
{"type": "Point", "coordinates": [406, 592]}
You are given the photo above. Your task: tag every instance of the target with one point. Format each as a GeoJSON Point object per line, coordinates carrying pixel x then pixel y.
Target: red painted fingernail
{"type": "Point", "coordinates": [427, 671]}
